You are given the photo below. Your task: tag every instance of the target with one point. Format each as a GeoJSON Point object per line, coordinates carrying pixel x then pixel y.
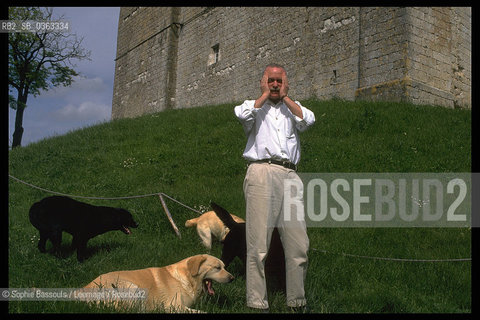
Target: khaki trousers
{"type": "Point", "coordinates": [264, 192]}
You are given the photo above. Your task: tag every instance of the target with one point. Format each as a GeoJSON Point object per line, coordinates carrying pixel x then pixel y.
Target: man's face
{"type": "Point", "coordinates": [274, 82]}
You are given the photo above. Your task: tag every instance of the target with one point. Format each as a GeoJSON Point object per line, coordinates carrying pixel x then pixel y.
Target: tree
{"type": "Point", "coordinates": [38, 61]}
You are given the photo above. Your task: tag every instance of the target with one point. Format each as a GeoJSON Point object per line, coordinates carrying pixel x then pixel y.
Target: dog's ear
{"type": "Point", "coordinates": [194, 263]}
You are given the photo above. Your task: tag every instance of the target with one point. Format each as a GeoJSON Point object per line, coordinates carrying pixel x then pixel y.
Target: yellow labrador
{"type": "Point", "coordinates": [175, 287]}
{"type": "Point", "coordinates": [209, 224]}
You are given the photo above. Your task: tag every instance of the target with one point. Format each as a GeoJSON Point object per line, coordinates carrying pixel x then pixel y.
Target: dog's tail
{"type": "Point", "coordinates": [191, 222]}
{"type": "Point", "coordinates": [224, 215]}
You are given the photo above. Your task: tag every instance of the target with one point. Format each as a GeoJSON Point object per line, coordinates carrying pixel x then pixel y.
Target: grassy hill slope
{"type": "Point", "coordinates": [195, 156]}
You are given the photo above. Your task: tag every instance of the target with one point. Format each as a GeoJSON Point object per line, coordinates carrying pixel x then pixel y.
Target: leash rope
{"type": "Point", "coordinates": [160, 194]}
{"type": "Point", "coordinates": [104, 198]}
{"type": "Point", "coordinates": [83, 197]}
{"type": "Point", "coordinates": [184, 205]}
{"type": "Point", "coordinates": [394, 259]}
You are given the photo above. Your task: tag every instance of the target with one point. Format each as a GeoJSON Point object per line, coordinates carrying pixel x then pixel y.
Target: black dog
{"type": "Point", "coordinates": [83, 221]}
{"type": "Point", "coordinates": [234, 245]}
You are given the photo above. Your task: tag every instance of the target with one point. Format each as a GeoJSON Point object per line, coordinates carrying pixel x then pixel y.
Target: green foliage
{"type": "Point", "coordinates": [38, 61]}
{"type": "Point", "coordinates": [195, 156]}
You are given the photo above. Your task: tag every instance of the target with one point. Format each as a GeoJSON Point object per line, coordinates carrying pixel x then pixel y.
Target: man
{"type": "Point", "coordinates": [272, 124]}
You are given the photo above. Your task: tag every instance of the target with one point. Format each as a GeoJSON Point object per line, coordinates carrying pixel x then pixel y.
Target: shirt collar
{"type": "Point", "coordinates": [272, 104]}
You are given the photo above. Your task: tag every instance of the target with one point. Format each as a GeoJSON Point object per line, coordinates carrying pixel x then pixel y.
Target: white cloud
{"type": "Point", "coordinates": [85, 111]}
{"type": "Point", "coordinates": [80, 85]}
{"type": "Point", "coordinates": [89, 84]}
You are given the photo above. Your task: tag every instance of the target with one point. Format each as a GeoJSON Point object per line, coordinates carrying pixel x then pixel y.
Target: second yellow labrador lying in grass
{"type": "Point", "coordinates": [175, 287]}
{"type": "Point", "coordinates": [209, 224]}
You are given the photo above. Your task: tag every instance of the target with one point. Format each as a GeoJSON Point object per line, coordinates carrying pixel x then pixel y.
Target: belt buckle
{"type": "Point", "coordinates": [289, 165]}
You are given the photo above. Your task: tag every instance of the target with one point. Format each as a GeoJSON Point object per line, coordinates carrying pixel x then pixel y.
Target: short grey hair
{"type": "Point", "coordinates": [275, 65]}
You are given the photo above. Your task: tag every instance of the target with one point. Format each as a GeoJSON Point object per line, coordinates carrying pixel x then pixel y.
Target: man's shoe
{"type": "Point", "coordinates": [258, 310]}
{"type": "Point", "coordinates": [302, 309]}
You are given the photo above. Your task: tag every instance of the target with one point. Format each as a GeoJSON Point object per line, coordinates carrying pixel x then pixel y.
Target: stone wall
{"type": "Point", "coordinates": [194, 56]}
{"type": "Point", "coordinates": [145, 63]}
{"type": "Point", "coordinates": [439, 55]}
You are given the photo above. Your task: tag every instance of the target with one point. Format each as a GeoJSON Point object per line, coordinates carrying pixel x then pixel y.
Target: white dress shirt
{"type": "Point", "coordinates": [272, 130]}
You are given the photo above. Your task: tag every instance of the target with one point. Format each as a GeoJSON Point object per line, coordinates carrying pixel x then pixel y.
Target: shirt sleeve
{"type": "Point", "coordinates": [307, 121]}
{"type": "Point", "coordinates": [246, 114]}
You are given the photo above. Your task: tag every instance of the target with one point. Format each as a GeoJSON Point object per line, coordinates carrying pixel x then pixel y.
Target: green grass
{"type": "Point", "coordinates": [195, 156]}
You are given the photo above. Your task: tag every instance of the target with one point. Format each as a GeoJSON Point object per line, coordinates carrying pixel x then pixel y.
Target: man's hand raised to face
{"type": "Point", "coordinates": [284, 87]}
{"type": "Point", "coordinates": [265, 89]}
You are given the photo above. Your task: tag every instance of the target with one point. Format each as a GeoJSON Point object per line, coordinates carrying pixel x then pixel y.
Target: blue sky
{"type": "Point", "coordinates": [88, 101]}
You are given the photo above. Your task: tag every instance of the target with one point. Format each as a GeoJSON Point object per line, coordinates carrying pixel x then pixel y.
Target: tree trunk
{"type": "Point", "coordinates": [18, 133]}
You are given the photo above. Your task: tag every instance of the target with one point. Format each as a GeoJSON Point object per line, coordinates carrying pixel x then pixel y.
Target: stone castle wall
{"type": "Point", "coordinates": [193, 56]}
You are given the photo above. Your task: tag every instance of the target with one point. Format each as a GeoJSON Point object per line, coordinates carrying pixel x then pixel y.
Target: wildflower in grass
{"type": "Point", "coordinates": [129, 163]}
{"type": "Point", "coordinates": [202, 208]}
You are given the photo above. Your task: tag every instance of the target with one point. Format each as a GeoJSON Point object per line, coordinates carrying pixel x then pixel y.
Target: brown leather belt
{"type": "Point", "coordinates": [285, 164]}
